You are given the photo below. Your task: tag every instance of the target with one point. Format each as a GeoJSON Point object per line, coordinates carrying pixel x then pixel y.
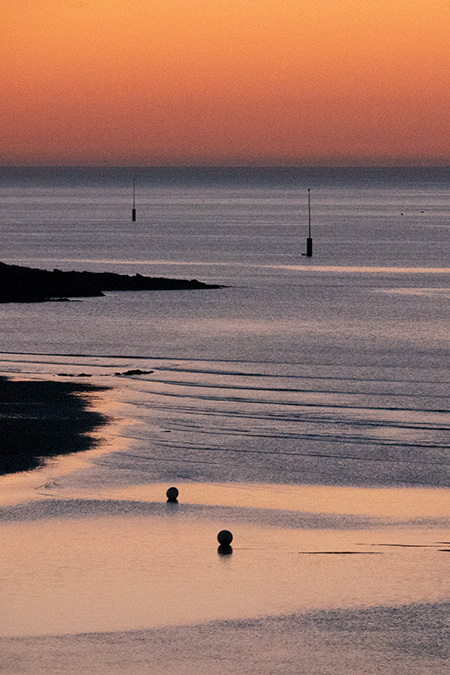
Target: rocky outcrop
{"type": "Point", "coordinates": [27, 284]}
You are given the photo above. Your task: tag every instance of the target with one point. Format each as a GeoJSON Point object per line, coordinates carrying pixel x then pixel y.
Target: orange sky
{"type": "Point", "coordinates": [225, 81]}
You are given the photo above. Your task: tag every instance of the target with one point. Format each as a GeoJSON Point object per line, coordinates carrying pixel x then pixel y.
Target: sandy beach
{"type": "Point", "coordinates": [320, 579]}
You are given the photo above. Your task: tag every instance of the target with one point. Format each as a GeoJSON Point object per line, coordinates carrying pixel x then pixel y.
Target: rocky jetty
{"type": "Point", "coordinates": [27, 284]}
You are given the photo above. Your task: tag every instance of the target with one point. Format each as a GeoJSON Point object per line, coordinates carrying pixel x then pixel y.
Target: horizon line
{"type": "Point", "coordinates": [226, 166]}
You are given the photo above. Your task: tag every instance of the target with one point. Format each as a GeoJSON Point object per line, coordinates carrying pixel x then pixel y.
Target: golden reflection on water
{"type": "Point", "coordinates": [120, 573]}
{"type": "Point", "coordinates": [363, 268]}
{"type": "Point", "coordinates": [395, 503]}
{"type": "Point", "coordinates": [424, 292]}
{"type": "Point", "coordinates": [307, 266]}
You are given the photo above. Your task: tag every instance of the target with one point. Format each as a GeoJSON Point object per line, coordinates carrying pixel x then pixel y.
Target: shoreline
{"type": "Point", "coordinates": [43, 419]}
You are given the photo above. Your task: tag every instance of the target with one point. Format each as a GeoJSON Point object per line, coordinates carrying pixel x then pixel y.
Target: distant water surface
{"type": "Point", "coordinates": [323, 370]}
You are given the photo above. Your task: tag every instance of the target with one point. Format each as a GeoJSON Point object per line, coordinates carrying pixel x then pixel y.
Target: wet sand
{"type": "Point", "coordinates": [405, 640]}
{"type": "Point", "coordinates": [128, 583]}
{"type": "Point", "coordinates": [320, 580]}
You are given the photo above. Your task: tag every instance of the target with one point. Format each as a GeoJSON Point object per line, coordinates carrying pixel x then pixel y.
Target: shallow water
{"type": "Point", "coordinates": [259, 422]}
{"type": "Point", "coordinates": [141, 572]}
{"type": "Point", "coordinates": [304, 406]}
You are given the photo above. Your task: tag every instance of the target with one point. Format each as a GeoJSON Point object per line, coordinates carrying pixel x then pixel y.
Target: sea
{"type": "Point", "coordinates": [330, 369]}
{"type": "Point", "coordinates": [299, 373]}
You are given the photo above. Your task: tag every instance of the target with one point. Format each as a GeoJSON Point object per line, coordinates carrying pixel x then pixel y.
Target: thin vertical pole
{"type": "Point", "coordinates": [309, 241]}
{"type": "Point", "coordinates": [309, 213]}
{"type": "Point", "coordinates": [133, 210]}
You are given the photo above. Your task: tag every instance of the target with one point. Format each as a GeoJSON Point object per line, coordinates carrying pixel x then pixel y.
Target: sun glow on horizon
{"type": "Point", "coordinates": [235, 82]}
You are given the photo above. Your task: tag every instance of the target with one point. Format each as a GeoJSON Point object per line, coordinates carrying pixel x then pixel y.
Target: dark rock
{"type": "Point", "coordinates": [26, 284]}
{"type": "Point", "coordinates": [137, 371]}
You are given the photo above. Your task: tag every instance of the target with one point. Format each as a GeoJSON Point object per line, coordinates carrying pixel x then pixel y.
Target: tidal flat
{"type": "Point", "coordinates": [303, 407]}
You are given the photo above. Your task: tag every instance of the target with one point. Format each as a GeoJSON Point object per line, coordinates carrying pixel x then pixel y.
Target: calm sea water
{"type": "Point", "coordinates": [325, 370]}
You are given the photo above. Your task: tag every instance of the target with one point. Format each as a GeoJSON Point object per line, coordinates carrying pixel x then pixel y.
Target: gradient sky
{"type": "Point", "coordinates": [151, 82]}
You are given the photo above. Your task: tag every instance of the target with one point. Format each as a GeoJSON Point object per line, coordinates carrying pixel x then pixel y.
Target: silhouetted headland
{"type": "Point", "coordinates": [27, 284]}
{"type": "Point", "coordinates": [44, 419]}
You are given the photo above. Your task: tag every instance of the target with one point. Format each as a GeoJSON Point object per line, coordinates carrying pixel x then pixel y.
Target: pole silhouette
{"type": "Point", "coordinates": [309, 241]}
{"type": "Point", "coordinates": [133, 210]}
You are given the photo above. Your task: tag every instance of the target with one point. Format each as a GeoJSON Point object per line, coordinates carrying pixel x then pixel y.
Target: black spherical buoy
{"type": "Point", "coordinates": [172, 494]}
{"type": "Point", "coordinates": [225, 537]}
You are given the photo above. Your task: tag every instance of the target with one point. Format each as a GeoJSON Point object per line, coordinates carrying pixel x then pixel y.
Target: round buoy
{"type": "Point", "coordinates": [224, 537]}
{"type": "Point", "coordinates": [172, 494]}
